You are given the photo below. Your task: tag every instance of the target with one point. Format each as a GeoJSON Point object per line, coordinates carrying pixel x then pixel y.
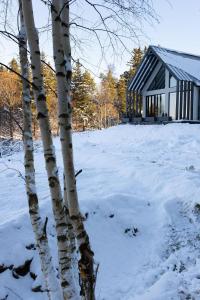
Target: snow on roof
{"type": "Point", "coordinates": [179, 62]}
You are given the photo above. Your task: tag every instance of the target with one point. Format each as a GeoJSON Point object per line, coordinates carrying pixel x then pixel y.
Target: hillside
{"type": "Point", "coordinates": [139, 188]}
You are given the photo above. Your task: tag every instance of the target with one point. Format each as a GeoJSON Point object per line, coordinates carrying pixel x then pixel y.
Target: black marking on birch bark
{"type": "Point", "coordinates": [69, 105]}
{"type": "Point", "coordinates": [75, 218]}
{"type": "Point", "coordinates": [62, 238]}
{"type": "Point", "coordinates": [69, 74]}
{"type": "Point", "coordinates": [37, 52]}
{"type": "Point", "coordinates": [45, 227]}
{"type": "Point", "coordinates": [50, 159]}
{"type": "Point", "coordinates": [60, 74]}
{"type": "Point", "coordinates": [64, 284]}
{"type": "Point", "coordinates": [60, 225]}
{"type": "Point", "coordinates": [66, 35]}
{"type": "Point", "coordinates": [32, 67]}
{"type": "Point", "coordinates": [32, 200]}
{"type": "Point", "coordinates": [32, 212]}
{"type": "Point", "coordinates": [37, 219]}
{"type": "Point", "coordinates": [68, 127]}
{"type": "Point", "coordinates": [70, 145]}
{"type": "Point", "coordinates": [57, 19]}
{"type": "Point", "coordinates": [63, 63]}
{"type": "Point", "coordinates": [64, 115]}
{"type": "Point", "coordinates": [41, 116]}
{"type": "Point", "coordinates": [65, 268]}
{"type": "Point", "coordinates": [80, 227]}
{"type": "Point", "coordinates": [66, 210]}
{"type": "Point", "coordinates": [65, 258]}
{"type": "Point", "coordinates": [81, 235]}
{"type": "Point", "coordinates": [52, 181]}
{"type": "Point", "coordinates": [41, 97]}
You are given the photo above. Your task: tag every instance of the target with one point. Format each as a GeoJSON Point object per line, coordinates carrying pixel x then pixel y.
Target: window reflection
{"type": "Point", "coordinates": [156, 105]}
{"type": "Point", "coordinates": [172, 105]}
{"type": "Point", "coordinates": [172, 81]}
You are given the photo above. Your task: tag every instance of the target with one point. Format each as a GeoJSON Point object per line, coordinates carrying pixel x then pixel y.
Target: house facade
{"type": "Point", "coordinates": [166, 86]}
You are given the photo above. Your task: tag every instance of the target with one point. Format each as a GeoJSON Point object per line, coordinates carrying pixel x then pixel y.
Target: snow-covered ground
{"type": "Point", "coordinates": [140, 186]}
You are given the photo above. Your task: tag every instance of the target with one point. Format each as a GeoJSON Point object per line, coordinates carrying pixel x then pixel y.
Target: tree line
{"type": "Point", "coordinates": [95, 105]}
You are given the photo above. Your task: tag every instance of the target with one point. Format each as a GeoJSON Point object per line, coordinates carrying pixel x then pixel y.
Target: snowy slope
{"type": "Point", "coordinates": [139, 186]}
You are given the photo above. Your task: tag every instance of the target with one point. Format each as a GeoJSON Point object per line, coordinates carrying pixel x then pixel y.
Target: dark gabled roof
{"type": "Point", "coordinates": [183, 66]}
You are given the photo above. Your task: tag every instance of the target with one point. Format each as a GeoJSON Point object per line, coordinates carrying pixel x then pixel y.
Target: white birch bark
{"type": "Point", "coordinates": [49, 154]}
{"type": "Point", "coordinates": [62, 58]}
{"type": "Point", "coordinates": [71, 236]}
{"type": "Point", "coordinates": [39, 228]}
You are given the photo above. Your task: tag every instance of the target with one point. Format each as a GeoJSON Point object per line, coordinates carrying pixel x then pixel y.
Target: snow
{"type": "Point", "coordinates": [140, 186]}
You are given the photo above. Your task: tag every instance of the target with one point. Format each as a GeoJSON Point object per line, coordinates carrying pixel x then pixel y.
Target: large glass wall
{"type": "Point", "coordinates": [158, 81]}
{"type": "Point", "coordinates": [155, 105]}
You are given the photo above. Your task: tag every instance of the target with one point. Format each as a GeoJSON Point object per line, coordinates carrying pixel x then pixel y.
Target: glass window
{"type": "Point", "coordinates": [172, 81]}
{"type": "Point", "coordinates": [155, 105]}
{"type": "Point", "coordinates": [158, 81]}
{"type": "Point", "coordinates": [172, 105]}
{"type": "Point", "coordinates": [161, 105]}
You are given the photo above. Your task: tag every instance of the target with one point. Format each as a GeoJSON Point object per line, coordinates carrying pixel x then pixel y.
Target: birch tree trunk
{"type": "Point", "coordinates": [62, 58]}
{"type": "Point", "coordinates": [71, 235]}
{"type": "Point", "coordinates": [66, 278]}
{"type": "Point", "coordinates": [39, 228]}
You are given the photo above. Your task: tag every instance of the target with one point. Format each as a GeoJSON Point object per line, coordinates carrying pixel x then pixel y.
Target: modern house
{"type": "Point", "coordinates": [166, 86]}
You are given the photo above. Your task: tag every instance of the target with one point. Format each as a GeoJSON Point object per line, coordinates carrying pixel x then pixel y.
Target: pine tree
{"type": "Point", "coordinates": [135, 60]}
{"type": "Point", "coordinates": [108, 98]}
{"type": "Point", "coordinates": [121, 95]}
{"type": "Point", "coordinates": [83, 90]}
{"type": "Point", "coordinates": [123, 82]}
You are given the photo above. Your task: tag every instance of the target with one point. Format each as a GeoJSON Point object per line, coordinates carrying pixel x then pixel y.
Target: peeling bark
{"type": "Point", "coordinates": [49, 154]}
{"type": "Point", "coordinates": [62, 53]}
{"type": "Point", "coordinates": [38, 227]}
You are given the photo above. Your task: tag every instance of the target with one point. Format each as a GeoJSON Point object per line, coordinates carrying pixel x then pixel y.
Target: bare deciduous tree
{"type": "Point", "coordinates": [62, 58]}
{"type": "Point", "coordinates": [66, 277]}
{"type": "Point", "coordinates": [39, 227]}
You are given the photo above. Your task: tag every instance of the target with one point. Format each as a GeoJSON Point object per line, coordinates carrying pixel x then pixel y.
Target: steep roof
{"type": "Point", "coordinates": [183, 66]}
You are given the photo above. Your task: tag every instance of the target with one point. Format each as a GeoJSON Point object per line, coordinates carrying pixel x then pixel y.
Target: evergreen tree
{"type": "Point", "coordinates": [121, 94]}
{"type": "Point", "coordinates": [83, 90]}
{"type": "Point", "coordinates": [123, 82]}
{"type": "Point", "coordinates": [108, 98]}
{"type": "Point", "coordinates": [135, 60]}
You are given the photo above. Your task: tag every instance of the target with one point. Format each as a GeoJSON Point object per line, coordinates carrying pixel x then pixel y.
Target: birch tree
{"type": "Point", "coordinates": [65, 271]}
{"type": "Point", "coordinates": [39, 227]}
{"type": "Point", "coordinates": [62, 58]}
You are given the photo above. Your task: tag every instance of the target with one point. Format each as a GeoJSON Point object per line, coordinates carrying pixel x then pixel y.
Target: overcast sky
{"type": "Point", "coordinates": [178, 28]}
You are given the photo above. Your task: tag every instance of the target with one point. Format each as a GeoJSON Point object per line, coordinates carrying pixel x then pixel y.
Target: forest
{"type": "Point", "coordinates": [95, 105]}
{"type": "Point", "coordinates": [93, 208]}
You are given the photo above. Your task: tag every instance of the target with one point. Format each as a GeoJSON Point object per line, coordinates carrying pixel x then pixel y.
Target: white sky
{"type": "Point", "coordinates": [178, 29]}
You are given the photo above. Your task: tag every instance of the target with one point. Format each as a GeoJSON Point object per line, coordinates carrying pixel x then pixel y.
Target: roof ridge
{"type": "Point", "coordinates": [176, 51]}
